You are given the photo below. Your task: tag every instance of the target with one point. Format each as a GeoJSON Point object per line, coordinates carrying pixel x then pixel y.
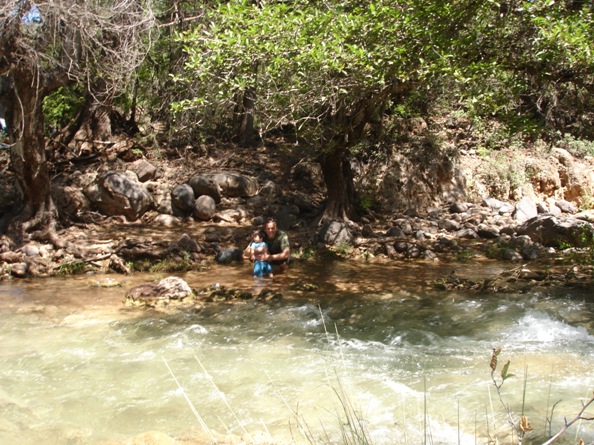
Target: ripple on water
{"type": "Point", "coordinates": [69, 368]}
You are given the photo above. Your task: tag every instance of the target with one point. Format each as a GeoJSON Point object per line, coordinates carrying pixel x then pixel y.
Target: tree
{"type": "Point", "coordinates": [329, 68]}
{"type": "Point", "coordinates": [530, 61]}
{"type": "Point", "coordinates": [46, 45]}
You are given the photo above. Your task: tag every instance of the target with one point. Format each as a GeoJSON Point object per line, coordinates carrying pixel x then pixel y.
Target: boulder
{"type": "Point", "coordinates": [166, 220]}
{"type": "Point", "coordinates": [160, 292]}
{"type": "Point", "coordinates": [270, 190]}
{"type": "Point", "coordinates": [229, 256]}
{"type": "Point", "coordinates": [449, 225]}
{"type": "Point", "coordinates": [145, 171]}
{"type": "Point", "coordinates": [487, 231]}
{"type": "Point", "coordinates": [203, 185]}
{"type": "Point", "coordinates": [553, 232]}
{"type": "Point", "coordinates": [204, 207]}
{"type": "Point", "coordinates": [566, 206]}
{"type": "Point", "coordinates": [182, 200]}
{"type": "Point", "coordinates": [576, 178]}
{"type": "Point", "coordinates": [308, 175]}
{"type": "Point", "coordinates": [162, 200]}
{"type": "Point", "coordinates": [335, 233]}
{"type": "Point", "coordinates": [395, 232]}
{"type": "Point", "coordinates": [187, 244]}
{"type": "Point", "coordinates": [458, 207]}
{"type": "Point", "coordinates": [230, 184]}
{"type": "Point", "coordinates": [115, 194]}
{"type": "Point", "coordinates": [525, 209]}
{"type": "Point", "coordinates": [69, 200]}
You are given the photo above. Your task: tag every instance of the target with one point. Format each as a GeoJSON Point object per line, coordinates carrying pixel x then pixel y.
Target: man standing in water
{"type": "Point", "coordinates": [278, 245]}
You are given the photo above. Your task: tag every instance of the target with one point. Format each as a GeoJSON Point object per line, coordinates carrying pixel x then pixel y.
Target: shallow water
{"type": "Point", "coordinates": [405, 362]}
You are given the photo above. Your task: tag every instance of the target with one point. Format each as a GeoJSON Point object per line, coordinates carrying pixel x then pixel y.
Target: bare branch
{"type": "Point", "coordinates": [579, 416]}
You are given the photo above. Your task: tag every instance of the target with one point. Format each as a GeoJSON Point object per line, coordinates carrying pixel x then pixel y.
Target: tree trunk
{"type": "Point", "coordinates": [35, 214]}
{"type": "Point", "coordinates": [244, 112]}
{"type": "Point", "coordinates": [341, 197]}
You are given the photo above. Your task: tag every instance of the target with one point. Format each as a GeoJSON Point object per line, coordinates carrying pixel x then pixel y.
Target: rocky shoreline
{"type": "Point", "coordinates": [541, 248]}
{"type": "Point", "coordinates": [129, 214]}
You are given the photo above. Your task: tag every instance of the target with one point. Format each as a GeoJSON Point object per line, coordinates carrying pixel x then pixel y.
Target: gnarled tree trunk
{"type": "Point", "coordinates": [341, 196]}
{"type": "Point", "coordinates": [34, 213]}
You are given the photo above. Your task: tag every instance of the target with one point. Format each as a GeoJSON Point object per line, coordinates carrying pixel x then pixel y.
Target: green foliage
{"type": "Point", "coordinates": [503, 174]}
{"type": "Point", "coordinates": [171, 265]}
{"type": "Point", "coordinates": [528, 62]}
{"type": "Point", "coordinates": [71, 267]}
{"type": "Point", "coordinates": [367, 201]}
{"type": "Point", "coordinates": [583, 255]}
{"type": "Point", "coordinates": [579, 148]}
{"type": "Point", "coordinates": [463, 255]}
{"type": "Point", "coordinates": [342, 250]}
{"type": "Point", "coordinates": [60, 107]}
{"type": "Point", "coordinates": [310, 62]}
{"type": "Point", "coordinates": [496, 251]}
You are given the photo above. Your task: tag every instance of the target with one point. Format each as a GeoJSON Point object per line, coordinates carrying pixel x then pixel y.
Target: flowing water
{"type": "Point", "coordinates": [374, 347]}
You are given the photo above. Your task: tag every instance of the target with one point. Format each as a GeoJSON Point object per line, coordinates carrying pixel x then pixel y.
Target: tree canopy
{"type": "Point", "coordinates": [330, 70]}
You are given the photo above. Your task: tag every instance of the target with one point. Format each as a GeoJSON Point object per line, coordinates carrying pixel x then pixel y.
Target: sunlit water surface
{"type": "Point", "coordinates": [374, 344]}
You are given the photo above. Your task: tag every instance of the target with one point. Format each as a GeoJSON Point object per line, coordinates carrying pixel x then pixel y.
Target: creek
{"type": "Point", "coordinates": [375, 346]}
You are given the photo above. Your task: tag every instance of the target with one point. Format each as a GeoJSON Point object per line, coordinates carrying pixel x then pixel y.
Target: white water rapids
{"type": "Point", "coordinates": [402, 363]}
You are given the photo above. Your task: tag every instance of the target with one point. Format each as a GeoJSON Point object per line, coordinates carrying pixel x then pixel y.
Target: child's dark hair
{"type": "Point", "coordinates": [258, 232]}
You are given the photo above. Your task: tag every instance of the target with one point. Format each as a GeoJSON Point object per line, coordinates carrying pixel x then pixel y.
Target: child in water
{"type": "Point", "coordinates": [257, 251]}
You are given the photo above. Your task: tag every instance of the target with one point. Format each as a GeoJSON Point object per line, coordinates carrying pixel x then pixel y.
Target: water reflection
{"type": "Point", "coordinates": [78, 367]}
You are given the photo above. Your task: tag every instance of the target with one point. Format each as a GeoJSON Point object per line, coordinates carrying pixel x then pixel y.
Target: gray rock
{"type": "Point", "coordinates": [486, 231]}
{"type": "Point", "coordinates": [554, 210]}
{"type": "Point", "coordinates": [182, 199]}
{"type": "Point", "coordinates": [553, 232]}
{"type": "Point", "coordinates": [229, 256]}
{"type": "Point", "coordinates": [566, 206]}
{"type": "Point", "coordinates": [31, 250]}
{"type": "Point", "coordinates": [269, 190]}
{"type": "Point", "coordinates": [458, 207]}
{"type": "Point", "coordinates": [187, 244]}
{"type": "Point", "coordinates": [203, 185]}
{"type": "Point", "coordinates": [521, 242]}
{"type": "Point", "coordinates": [115, 194]}
{"type": "Point", "coordinates": [512, 255]}
{"type": "Point", "coordinates": [233, 184]}
{"type": "Point", "coordinates": [145, 171]}
{"type": "Point", "coordinates": [429, 255]}
{"type": "Point", "coordinates": [367, 231]}
{"type": "Point", "coordinates": [506, 209]}
{"type": "Point", "coordinates": [335, 233]}
{"type": "Point", "coordinates": [449, 225]}
{"type": "Point", "coordinates": [19, 270]}
{"type": "Point", "coordinates": [166, 220]}
{"type": "Point", "coordinates": [532, 252]}
{"type": "Point", "coordinates": [204, 207]}
{"type": "Point", "coordinates": [525, 209]}
{"type": "Point", "coordinates": [542, 207]}
{"type": "Point", "coordinates": [493, 203]}
{"type": "Point", "coordinates": [170, 288]}
{"type": "Point", "coordinates": [467, 234]}
{"type": "Point", "coordinates": [396, 232]}
{"type": "Point", "coordinates": [230, 215]}
{"type": "Point", "coordinates": [308, 175]}
{"type": "Point", "coordinates": [401, 246]}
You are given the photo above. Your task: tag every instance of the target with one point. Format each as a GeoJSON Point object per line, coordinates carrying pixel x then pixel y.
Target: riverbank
{"type": "Point", "coordinates": [452, 218]}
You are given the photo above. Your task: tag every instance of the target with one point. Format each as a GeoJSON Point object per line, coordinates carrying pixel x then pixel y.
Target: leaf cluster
{"type": "Point", "coordinates": [313, 63]}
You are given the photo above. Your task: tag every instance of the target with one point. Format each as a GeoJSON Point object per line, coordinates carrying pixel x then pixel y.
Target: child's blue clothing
{"type": "Point", "coordinates": [261, 268]}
